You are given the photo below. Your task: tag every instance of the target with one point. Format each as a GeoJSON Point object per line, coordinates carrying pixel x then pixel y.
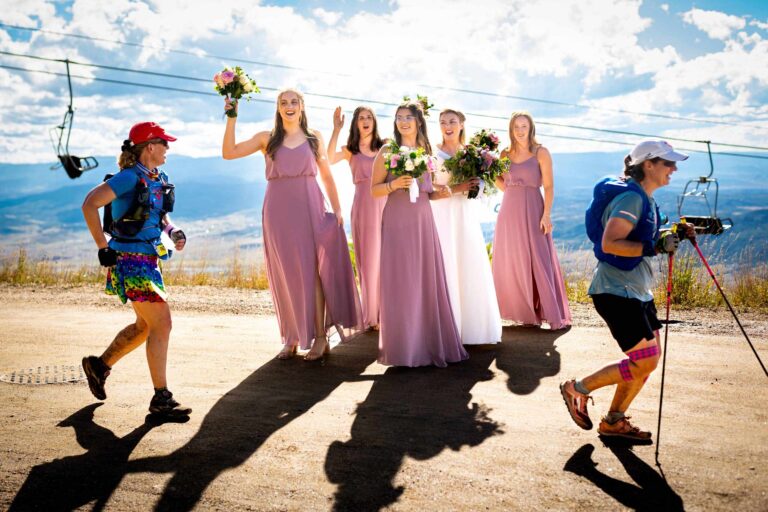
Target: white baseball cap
{"type": "Point", "coordinates": [649, 149]}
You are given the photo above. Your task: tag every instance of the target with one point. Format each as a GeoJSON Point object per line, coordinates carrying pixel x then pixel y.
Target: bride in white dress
{"type": "Point", "coordinates": [467, 269]}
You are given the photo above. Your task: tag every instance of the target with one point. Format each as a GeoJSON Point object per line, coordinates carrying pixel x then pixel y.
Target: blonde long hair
{"type": "Point", "coordinates": [532, 142]}
{"type": "Point", "coordinates": [277, 135]}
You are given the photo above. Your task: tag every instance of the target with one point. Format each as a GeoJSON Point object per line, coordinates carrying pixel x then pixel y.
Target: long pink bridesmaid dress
{"type": "Point", "coordinates": [300, 240]}
{"type": "Point", "coordinates": [366, 235]}
{"type": "Point", "coordinates": [526, 272]}
{"type": "Point", "coordinates": [417, 324]}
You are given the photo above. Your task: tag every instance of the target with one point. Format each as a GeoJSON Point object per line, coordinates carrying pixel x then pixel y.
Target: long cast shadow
{"type": "Point", "coordinates": [652, 491]}
{"type": "Point", "coordinates": [416, 412]}
{"type": "Point", "coordinates": [243, 419]}
{"type": "Point", "coordinates": [527, 355]}
{"type": "Point", "coordinates": [72, 482]}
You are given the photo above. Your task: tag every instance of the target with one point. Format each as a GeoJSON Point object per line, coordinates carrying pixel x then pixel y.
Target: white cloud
{"type": "Point", "coordinates": [327, 17]}
{"type": "Point", "coordinates": [664, 7]}
{"type": "Point", "coordinates": [570, 50]}
{"type": "Point", "coordinates": [717, 25]}
{"type": "Point", "coordinates": [759, 24]}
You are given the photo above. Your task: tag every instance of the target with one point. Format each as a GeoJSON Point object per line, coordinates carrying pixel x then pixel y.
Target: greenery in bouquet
{"type": "Point", "coordinates": [478, 159]}
{"type": "Point", "coordinates": [402, 160]}
{"type": "Point", "coordinates": [485, 138]}
{"type": "Point", "coordinates": [425, 104]}
{"type": "Point", "coordinates": [234, 84]}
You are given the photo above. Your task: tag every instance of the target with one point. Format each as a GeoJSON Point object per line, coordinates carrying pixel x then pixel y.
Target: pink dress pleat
{"type": "Point", "coordinates": [366, 235]}
{"type": "Point", "coordinates": [526, 272]}
{"type": "Point", "coordinates": [417, 324]}
{"type": "Point", "coordinates": [302, 240]}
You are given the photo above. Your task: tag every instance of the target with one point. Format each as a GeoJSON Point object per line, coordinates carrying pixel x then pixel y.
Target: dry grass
{"type": "Point", "coordinates": [746, 287]}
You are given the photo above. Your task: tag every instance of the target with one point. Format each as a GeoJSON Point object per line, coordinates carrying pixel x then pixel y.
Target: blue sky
{"type": "Point", "coordinates": [703, 61]}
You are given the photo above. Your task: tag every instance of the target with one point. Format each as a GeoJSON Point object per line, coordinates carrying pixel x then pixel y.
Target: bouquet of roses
{"type": "Point", "coordinates": [402, 160]}
{"type": "Point", "coordinates": [478, 159]}
{"type": "Point", "coordinates": [234, 84]}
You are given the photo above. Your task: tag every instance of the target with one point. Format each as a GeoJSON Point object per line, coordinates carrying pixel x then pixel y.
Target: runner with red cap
{"type": "Point", "coordinates": [137, 201]}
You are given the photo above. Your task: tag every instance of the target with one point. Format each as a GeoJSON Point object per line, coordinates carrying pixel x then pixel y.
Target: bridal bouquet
{"type": "Point", "coordinates": [478, 159]}
{"type": "Point", "coordinates": [234, 83]}
{"type": "Point", "coordinates": [402, 160]}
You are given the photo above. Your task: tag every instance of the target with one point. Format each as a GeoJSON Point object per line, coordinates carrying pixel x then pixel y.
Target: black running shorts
{"type": "Point", "coordinates": [630, 320]}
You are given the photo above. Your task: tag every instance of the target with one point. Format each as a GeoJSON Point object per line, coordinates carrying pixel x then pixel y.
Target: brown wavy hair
{"type": "Point", "coordinates": [277, 135]}
{"type": "Point", "coordinates": [461, 117]}
{"type": "Point", "coordinates": [532, 142]}
{"type": "Point", "coordinates": [353, 141]}
{"type": "Point", "coordinates": [422, 139]}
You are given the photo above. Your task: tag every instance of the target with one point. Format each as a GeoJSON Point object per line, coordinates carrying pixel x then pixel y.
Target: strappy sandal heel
{"type": "Point", "coordinates": [287, 352]}
{"type": "Point", "coordinates": [317, 357]}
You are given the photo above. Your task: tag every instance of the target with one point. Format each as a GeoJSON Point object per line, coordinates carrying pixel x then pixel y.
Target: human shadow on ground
{"type": "Point", "coordinates": [415, 412]}
{"type": "Point", "coordinates": [243, 419]}
{"type": "Point", "coordinates": [527, 355]}
{"type": "Point", "coordinates": [651, 492]}
{"type": "Point", "coordinates": [72, 482]}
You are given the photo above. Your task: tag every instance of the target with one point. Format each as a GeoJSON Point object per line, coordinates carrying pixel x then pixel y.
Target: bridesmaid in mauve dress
{"type": "Point", "coordinates": [308, 266]}
{"type": "Point", "coordinates": [363, 143]}
{"type": "Point", "coordinates": [417, 323]}
{"type": "Point", "coordinates": [529, 284]}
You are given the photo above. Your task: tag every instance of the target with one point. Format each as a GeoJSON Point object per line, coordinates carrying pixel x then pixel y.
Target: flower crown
{"type": "Point", "coordinates": [423, 101]}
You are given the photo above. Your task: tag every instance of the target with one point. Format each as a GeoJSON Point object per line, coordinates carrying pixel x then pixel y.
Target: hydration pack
{"type": "Point", "coordinates": [604, 192]}
{"type": "Point", "coordinates": [131, 222]}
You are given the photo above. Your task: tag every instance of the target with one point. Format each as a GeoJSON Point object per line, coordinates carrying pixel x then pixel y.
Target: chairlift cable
{"type": "Point", "coordinates": [433, 87]}
{"type": "Point", "coordinates": [365, 100]}
{"type": "Point", "coordinates": [314, 107]}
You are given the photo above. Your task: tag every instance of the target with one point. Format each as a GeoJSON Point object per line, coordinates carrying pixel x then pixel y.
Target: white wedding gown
{"type": "Point", "coordinates": [467, 269]}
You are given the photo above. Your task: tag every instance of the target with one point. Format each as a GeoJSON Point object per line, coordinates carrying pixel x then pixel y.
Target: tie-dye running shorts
{"type": "Point", "coordinates": [136, 277]}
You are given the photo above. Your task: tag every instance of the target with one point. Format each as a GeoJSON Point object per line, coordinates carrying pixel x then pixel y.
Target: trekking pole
{"type": "Point", "coordinates": [664, 353]}
{"type": "Point", "coordinates": [712, 275]}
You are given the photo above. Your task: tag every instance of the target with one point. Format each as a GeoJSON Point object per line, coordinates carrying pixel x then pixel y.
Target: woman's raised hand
{"type": "Point", "coordinates": [338, 119]}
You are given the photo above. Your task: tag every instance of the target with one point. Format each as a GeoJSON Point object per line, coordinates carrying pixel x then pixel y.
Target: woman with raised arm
{"type": "Point", "coordinates": [362, 144]}
{"type": "Point", "coordinates": [417, 324]}
{"type": "Point", "coordinates": [308, 266]}
{"type": "Point", "coordinates": [467, 269]}
{"type": "Point", "coordinates": [529, 284]}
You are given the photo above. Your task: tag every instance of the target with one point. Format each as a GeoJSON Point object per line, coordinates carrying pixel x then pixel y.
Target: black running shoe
{"type": "Point", "coordinates": [163, 403]}
{"type": "Point", "coordinates": [96, 372]}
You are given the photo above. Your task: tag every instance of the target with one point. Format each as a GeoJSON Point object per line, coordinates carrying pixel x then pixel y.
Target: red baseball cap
{"type": "Point", "coordinates": [142, 132]}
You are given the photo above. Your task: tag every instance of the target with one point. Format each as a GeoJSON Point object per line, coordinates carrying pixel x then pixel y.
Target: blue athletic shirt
{"type": "Point", "coordinates": [123, 184]}
{"type": "Point", "coordinates": [638, 282]}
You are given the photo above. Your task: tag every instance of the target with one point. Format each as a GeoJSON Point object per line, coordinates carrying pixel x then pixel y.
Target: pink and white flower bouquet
{"type": "Point", "coordinates": [234, 83]}
{"type": "Point", "coordinates": [414, 162]}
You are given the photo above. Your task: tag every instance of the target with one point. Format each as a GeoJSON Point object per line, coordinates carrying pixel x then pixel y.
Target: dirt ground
{"type": "Point", "coordinates": [491, 433]}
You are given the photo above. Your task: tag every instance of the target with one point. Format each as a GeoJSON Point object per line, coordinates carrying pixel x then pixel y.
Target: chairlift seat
{"type": "Point", "coordinates": [705, 225]}
{"type": "Point", "coordinates": [75, 166]}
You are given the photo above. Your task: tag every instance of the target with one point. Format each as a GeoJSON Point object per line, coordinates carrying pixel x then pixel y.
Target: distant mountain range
{"type": "Point", "coordinates": [219, 203]}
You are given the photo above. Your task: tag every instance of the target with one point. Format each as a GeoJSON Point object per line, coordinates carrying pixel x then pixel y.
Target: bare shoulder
{"type": "Point", "coordinates": [505, 153]}
{"type": "Point", "coordinates": [543, 153]}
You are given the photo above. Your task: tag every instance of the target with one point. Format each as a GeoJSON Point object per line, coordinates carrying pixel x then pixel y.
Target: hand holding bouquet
{"type": "Point", "coordinates": [233, 84]}
{"type": "Point", "coordinates": [478, 159]}
{"type": "Point", "coordinates": [405, 161]}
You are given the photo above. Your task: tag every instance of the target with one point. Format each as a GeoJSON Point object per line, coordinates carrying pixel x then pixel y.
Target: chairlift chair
{"type": "Point", "coordinates": [700, 188]}
{"type": "Point", "coordinates": [73, 165]}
